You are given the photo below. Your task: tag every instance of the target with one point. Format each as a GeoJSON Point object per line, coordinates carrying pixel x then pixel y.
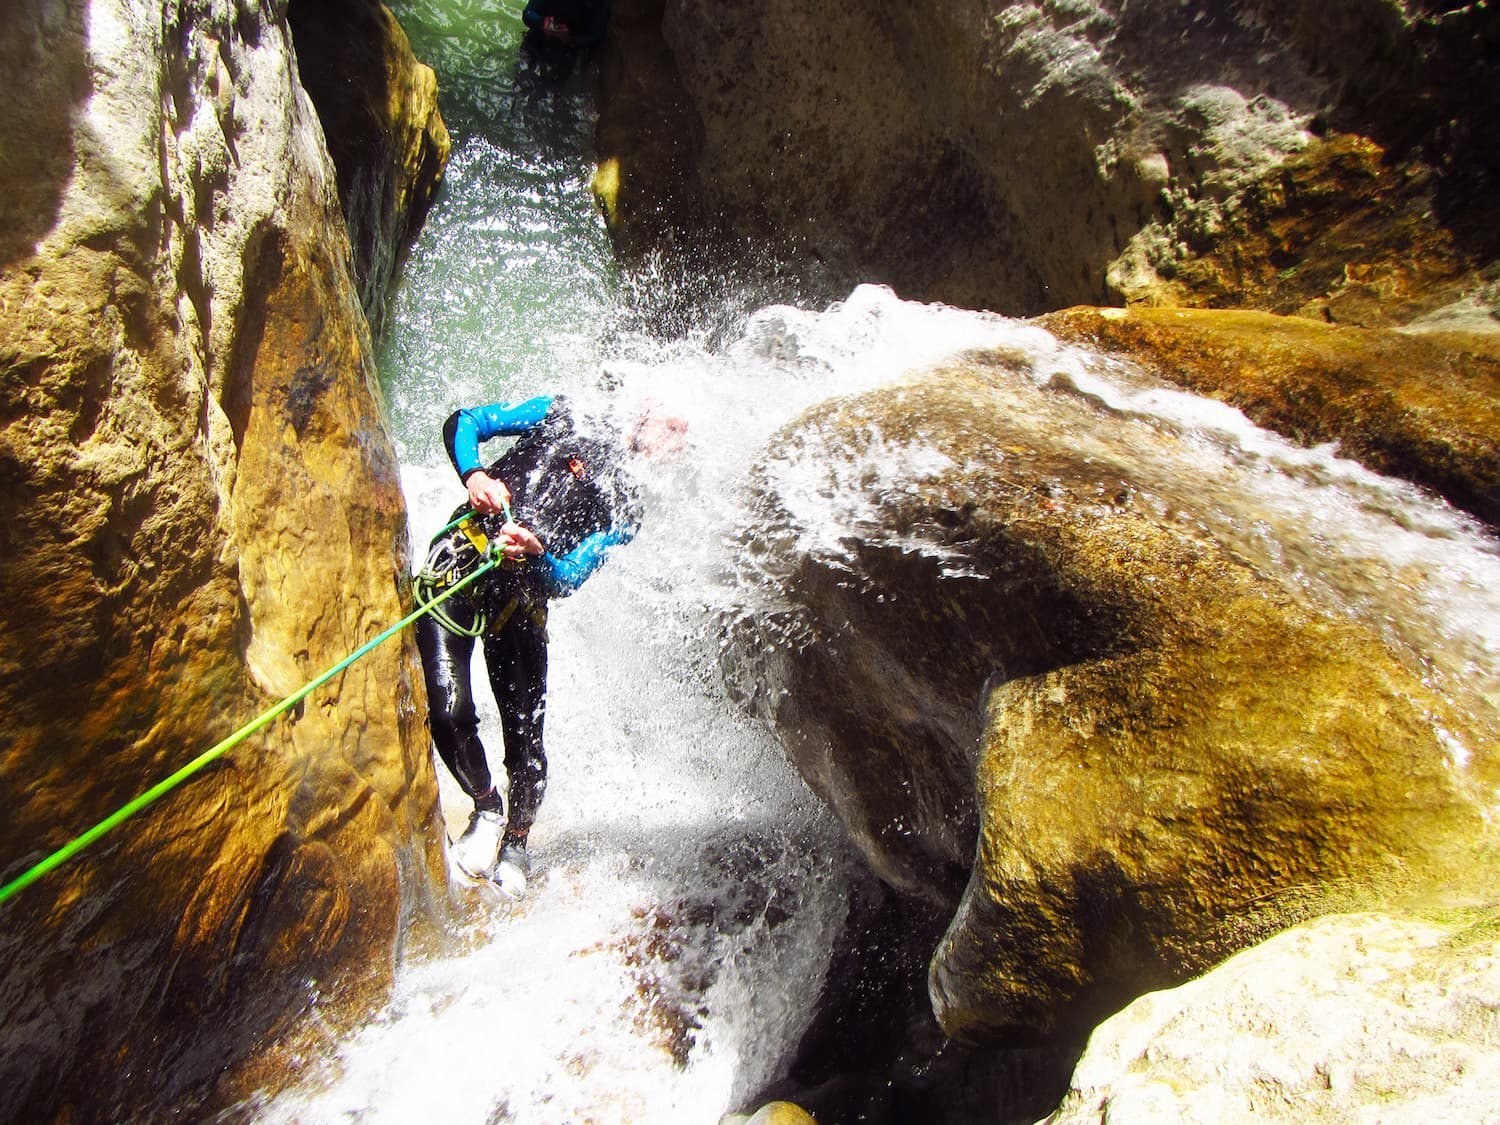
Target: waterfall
{"type": "Point", "coordinates": [689, 889]}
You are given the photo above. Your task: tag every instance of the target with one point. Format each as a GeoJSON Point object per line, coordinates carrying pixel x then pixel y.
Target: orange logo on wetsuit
{"type": "Point", "coordinates": [575, 466]}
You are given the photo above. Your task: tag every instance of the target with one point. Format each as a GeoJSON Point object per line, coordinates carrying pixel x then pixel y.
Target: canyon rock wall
{"type": "Point", "coordinates": [378, 106]}
{"type": "Point", "coordinates": [201, 511]}
{"type": "Point", "coordinates": [1054, 690]}
{"type": "Point", "coordinates": [1336, 158]}
{"type": "Point", "coordinates": [1035, 695]}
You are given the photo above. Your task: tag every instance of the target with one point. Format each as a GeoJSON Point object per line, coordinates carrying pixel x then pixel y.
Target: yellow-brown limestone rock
{"type": "Point", "coordinates": [1339, 231]}
{"type": "Point", "coordinates": [1024, 156]}
{"type": "Point", "coordinates": [1424, 407]}
{"type": "Point", "coordinates": [201, 511]}
{"type": "Point", "coordinates": [1025, 662]}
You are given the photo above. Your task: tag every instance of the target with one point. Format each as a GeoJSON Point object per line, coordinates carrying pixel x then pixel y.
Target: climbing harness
{"type": "Point", "coordinates": [537, 613]}
{"type": "Point", "coordinates": [455, 553]}
{"type": "Point", "coordinates": [488, 557]}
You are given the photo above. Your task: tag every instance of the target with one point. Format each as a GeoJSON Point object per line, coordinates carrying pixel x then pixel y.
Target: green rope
{"type": "Point", "coordinates": [477, 625]}
{"type": "Point", "coordinates": [72, 848]}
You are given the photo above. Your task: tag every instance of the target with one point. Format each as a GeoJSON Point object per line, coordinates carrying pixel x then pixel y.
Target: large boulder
{"type": "Point", "coordinates": [1346, 1018]}
{"type": "Point", "coordinates": [1024, 155]}
{"type": "Point", "coordinates": [201, 511]}
{"type": "Point", "coordinates": [1001, 649]}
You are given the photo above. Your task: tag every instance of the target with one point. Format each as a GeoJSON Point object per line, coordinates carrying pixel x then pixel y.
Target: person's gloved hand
{"type": "Point", "coordinates": [487, 496]}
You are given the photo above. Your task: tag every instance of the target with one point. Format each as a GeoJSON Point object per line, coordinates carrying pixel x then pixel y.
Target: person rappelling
{"type": "Point", "coordinates": [552, 507]}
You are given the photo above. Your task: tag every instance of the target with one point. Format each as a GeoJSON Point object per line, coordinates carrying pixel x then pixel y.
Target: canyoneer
{"type": "Point", "coordinates": [566, 23]}
{"type": "Point", "coordinates": [553, 505]}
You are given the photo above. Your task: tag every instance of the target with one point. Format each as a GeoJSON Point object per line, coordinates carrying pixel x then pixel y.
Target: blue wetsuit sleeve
{"type": "Point", "coordinates": [531, 17]}
{"type": "Point", "coordinates": [466, 429]}
{"type": "Point", "coordinates": [566, 574]}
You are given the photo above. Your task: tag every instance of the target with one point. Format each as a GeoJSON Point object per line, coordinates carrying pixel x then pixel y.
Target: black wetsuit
{"type": "Point", "coordinates": [571, 489]}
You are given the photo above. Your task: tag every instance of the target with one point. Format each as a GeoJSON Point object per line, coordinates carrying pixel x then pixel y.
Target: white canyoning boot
{"type": "Point", "coordinates": [512, 869]}
{"type": "Point", "coordinates": [474, 851]}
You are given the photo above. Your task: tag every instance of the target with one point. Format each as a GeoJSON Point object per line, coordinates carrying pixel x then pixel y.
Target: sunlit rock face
{"type": "Point", "coordinates": [1013, 656]}
{"type": "Point", "coordinates": [1350, 1017]}
{"type": "Point", "coordinates": [1424, 407]}
{"type": "Point", "coordinates": [1030, 155]}
{"type": "Point", "coordinates": [201, 511]}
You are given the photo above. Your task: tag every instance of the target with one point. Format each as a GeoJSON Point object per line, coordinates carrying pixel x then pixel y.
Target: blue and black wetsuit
{"type": "Point", "coordinates": [570, 487]}
{"type": "Point", "coordinates": [586, 20]}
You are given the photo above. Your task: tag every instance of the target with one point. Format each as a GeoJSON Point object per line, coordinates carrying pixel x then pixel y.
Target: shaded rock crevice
{"type": "Point", "coordinates": [379, 110]}
{"type": "Point", "coordinates": [874, 1052]}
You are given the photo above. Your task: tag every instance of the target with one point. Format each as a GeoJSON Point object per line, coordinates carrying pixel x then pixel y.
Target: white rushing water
{"type": "Point", "coordinates": [688, 888]}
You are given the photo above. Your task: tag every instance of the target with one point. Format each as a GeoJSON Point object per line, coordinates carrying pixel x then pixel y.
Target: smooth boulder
{"type": "Point", "coordinates": [1349, 1017]}
{"type": "Point", "coordinates": [1012, 660]}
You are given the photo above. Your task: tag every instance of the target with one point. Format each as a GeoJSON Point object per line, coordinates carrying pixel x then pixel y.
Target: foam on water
{"type": "Point", "coordinates": [1420, 572]}
{"type": "Point", "coordinates": [690, 888]}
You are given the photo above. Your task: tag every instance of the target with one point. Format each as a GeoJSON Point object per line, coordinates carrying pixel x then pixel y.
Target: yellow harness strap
{"type": "Point", "coordinates": [478, 538]}
{"type": "Point", "coordinates": [538, 614]}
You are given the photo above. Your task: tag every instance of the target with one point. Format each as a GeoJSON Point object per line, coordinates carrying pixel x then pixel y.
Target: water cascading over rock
{"type": "Point", "coordinates": [1168, 754]}
{"type": "Point", "coordinates": [201, 511]}
{"type": "Point", "coordinates": [1026, 615]}
{"type": "Point", "coordinates": [1421, 406]}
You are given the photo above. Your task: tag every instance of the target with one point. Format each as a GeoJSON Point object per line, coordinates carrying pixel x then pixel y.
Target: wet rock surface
{"type": "Point", "coordinates": [1425, 407]}
{"type": "Point", "coordinates": [201, 512]}
{"type": "Point", "coordinates": [1163, 754]}
{"type": "Point", "coordinates": [379, 109]}
{"type": "Point", "coordinates": [1027, 156]}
